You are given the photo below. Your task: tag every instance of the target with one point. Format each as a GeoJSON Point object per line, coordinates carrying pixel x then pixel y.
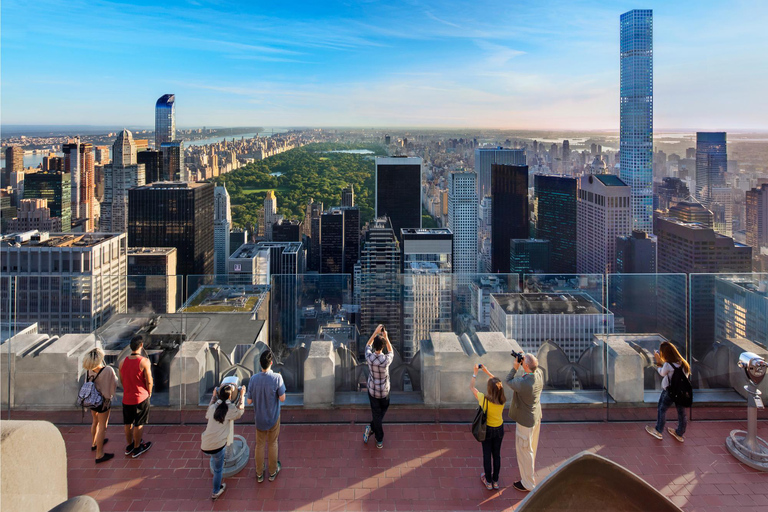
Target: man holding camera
{"type": "Point", "coordinates": [526, 381]}
{"type": "Point", "coordinates": [378, 382]}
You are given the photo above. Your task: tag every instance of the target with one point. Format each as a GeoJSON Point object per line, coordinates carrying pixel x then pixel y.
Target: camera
{"type": "Point", "coordinates": [519, 356]}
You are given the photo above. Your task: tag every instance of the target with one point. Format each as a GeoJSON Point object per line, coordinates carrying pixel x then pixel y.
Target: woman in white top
{"type": "Point", "coordinates": [220, 415]}
{"type": "Point", "coordinates": [667, 358]}
{"type": "Point", "coordinates": [105, 381]}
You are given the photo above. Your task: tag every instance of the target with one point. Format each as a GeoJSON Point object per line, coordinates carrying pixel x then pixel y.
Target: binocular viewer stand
{"type": "Point", "coordinates": [747, 446]}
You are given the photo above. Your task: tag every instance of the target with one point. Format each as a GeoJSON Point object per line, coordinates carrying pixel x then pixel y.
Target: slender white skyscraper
{"type": "Point", "coordinates": [120, 176]}
{"type": "Point", "coordinates": [462, 219]}
{"type": "Point", "coordinates": [270, 213]}
{"type": "Point", "coordinates": [636, 132]}
{"type": "Point", "coordinates": [222, 222]}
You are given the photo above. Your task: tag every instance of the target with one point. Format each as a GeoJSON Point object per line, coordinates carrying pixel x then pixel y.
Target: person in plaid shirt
{"type": "Point", "coordinates": [378, 382]}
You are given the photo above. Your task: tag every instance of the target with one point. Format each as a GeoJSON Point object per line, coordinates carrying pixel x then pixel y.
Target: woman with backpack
{"type": "Point", "coordinates": [104, 381]}
{"type": "Point", "coordinates": [669, 362]}
{"type": "Point", "coordinates": [492, 402]}
{"type": "Point", "coordinates": [220, 415]}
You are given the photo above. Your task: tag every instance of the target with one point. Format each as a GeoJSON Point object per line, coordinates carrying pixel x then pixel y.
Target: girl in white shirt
{"type": "Point", "coordinates": [667, 358]}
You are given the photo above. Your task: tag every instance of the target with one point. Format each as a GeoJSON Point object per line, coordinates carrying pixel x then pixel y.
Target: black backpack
{"type": "Point", "coordinates": [680, 389]}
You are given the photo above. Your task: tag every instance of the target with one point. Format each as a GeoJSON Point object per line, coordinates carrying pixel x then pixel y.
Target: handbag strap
{"type": "Point", "coordinates": [485, 406]}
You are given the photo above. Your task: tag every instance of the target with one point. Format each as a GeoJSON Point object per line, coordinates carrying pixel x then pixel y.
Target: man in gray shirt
{"type": "Point", "coordinates": [527, 382]}
{"type": "Point", "coordinates": [266, 391]}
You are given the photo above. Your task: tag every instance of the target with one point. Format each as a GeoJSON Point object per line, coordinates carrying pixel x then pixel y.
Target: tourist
{"type": "Point", "coordinates": [492, 402]}
{"type": "Point", "coordinates": [667, 359]}
{"type": "Point", "coordinates": [136, 376]}
{"type": "Point", "coordinates": [378, 382]}
{"type": "Point", "coordinates": [105, 382]}
{"type": "Point", "coordinates": [266, 391]}
{"type": "Point", "coordinates": [526, 381]}
{"type": "Point", "coordinates": [220, 415]}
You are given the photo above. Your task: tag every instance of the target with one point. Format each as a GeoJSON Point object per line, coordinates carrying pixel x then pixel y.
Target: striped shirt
{"type": "Point", "coordinates": [378, 379]}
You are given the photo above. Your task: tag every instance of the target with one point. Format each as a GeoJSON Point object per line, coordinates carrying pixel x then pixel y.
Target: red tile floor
{"type": "Point", "coordinates": [422, 467]}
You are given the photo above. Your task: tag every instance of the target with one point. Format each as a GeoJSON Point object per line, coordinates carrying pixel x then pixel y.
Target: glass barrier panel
{"type": "Point", "coordinates": [728, 316]}
{"type": "Point", "coordinates": [648, 309]}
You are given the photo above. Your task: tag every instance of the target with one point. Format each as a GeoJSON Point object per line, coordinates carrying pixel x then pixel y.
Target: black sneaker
{"type": "Point", "coordinates": [141, 449]}
{"type": "Point", "coordinates": [106, 440]}
{"type": "Point", "coordinates": [274, 475]}
{"type": "Point", "coordinates": [520, 487]}
{"type": "Point", "coordinates": [129, 449]}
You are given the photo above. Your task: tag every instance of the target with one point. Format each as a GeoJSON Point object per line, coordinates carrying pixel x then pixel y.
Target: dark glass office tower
{"type": "Point", "coordinates": [174, 215]}
{"type": "Point", "coordinates": [711, 164]}
{"type": "Point", "coordinates": [56, 187]}
{"type": "Point", "coordinates": [398, 191]}
{"type": "Point", "coordinates": [339, 240]}
{"type": "Point", "coordinates": [509, 213]}
{"type": "Point", "coordinates": [153, 165]}
{"type": "Point", "coordinates": [555, 205]}
{"type": "Point", "coordinates": [332, 242]}
{"type": "Point", "coordinates": [286, 231]}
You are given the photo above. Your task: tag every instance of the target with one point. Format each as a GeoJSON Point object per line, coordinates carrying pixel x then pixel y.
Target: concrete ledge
{"type": "Point", "coordinates": [34, 475]}
{"type": "Point", "coordinates": [320, 370]}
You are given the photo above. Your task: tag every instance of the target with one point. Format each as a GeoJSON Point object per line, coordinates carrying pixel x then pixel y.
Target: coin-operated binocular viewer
{"type": "Point", "coordinates": [746, 446]}
{"type": "Point", "coordinates": [237, 451]}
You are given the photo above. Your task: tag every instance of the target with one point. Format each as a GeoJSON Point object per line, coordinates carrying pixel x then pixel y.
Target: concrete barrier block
{"type": "Point", "coordinates": [320, 375]}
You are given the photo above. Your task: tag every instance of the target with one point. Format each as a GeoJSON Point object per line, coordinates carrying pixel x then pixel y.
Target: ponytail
{"type": "Point", "coordinates": [221, 410]}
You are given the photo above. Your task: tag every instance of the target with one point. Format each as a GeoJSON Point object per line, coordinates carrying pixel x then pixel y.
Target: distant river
{"type": "Point", "coordinates": [213, 140]}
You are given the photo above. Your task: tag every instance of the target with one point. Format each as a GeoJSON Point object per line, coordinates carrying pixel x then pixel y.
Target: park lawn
{"type": "Point", "coordinates": [257, 190]}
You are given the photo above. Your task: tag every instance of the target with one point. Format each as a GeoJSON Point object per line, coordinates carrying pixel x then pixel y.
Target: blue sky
{"type": "Point", "coordinates": [503, 64]}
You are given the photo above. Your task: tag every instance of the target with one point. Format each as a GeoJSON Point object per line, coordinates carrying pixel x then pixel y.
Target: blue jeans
{"type": "Point", "coordinates": [665, 402]}
{"type": "Point", "coordinates": [218, 469]}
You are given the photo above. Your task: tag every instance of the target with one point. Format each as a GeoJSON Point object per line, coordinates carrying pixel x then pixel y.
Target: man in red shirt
{"type": "Point", "coordinates": [136, 376]}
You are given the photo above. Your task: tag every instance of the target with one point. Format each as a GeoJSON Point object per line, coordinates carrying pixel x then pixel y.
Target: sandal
{"type": "Point", "coordinates": [486, 483]}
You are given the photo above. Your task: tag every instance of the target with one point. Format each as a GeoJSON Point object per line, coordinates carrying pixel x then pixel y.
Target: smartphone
{"type": "Point", "coordinates": [479, 367]}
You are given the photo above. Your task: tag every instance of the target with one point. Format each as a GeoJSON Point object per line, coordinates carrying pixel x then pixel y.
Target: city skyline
{"type": "Point", "coordinates": [415, 64]}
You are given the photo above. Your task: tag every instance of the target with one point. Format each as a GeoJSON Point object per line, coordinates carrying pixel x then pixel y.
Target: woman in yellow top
{"type": "Point", "coordinates": [493, 403]}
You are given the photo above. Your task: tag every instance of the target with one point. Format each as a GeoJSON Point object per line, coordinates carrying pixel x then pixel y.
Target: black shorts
{"type": "Point", "coordinates": [104, 407]}
{"type": "Point", "coordinates": [136, 415]}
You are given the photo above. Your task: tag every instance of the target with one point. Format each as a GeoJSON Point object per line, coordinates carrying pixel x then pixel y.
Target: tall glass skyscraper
{"type": "Point", "coordinates": [636, 156]}
{"type": "Point", "coordinates": [711, 164]}
{"type": "Point", "coordinates": [485, 158]}
{"type": "Point", "coordinates": [165, 119]}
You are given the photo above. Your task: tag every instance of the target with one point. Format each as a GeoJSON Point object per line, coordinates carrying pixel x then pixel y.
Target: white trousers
{"type": "Point", "coordinates": [526, 443]}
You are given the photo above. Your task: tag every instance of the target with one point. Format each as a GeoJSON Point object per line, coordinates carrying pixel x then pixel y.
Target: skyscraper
{"type": "Point", "coordinates": [379, 282]}
{"type": "Point", "coordinates": [153, 165]}
{"type": "Point", "coordinates": [426, 256]}
{"type": "Point", "coordinates": [529, 256]}
{"type": "Point", "coordinates": [398, 191]}
{"type": "Point", "coordinates": [56, 188]}
{"type": "Point", "coordinates": [222, 222]}
{"type": "Point", "coordinates": [72, 166]}
{"type": "Point", "coordinates": [122, 174]}
{"type": "Point", "coordinates": [693, 248]}
{"type": "Point", "coordinates": [462, 219]}
{"type": "Point", "coordinates": [176, 215]}
{"type": "Point", "coordinates": [165, 120]}
{"type": "Point", "coordinates": [691, 211]}
{"type": "Point", "coordinates": [636, 111]}
{"type": "Point", "coordinates": [757, 218]}
{"type": "Point", "coordinates": [14, 162]}
{"type": "Point", "coordinates": [486, 157]}
{"type": "Point", "coordinates": [89, 205]}
{"type": "Point", "coordinates": [270, 213]}
{"type": "Point", "coordinates": [286, 231]}
{"type": "Point", "coordinates": [312, 230]}
{"type": "Point", "coordinates": [339, 240]}
{"type": "Point", "coordinates": [509, 213]}
{"type": "Point", "coordinates": [348, 196]}
{"type": "Point", "coordinates": [603, 214]}
{"type": "Point", "coordinates": [636, 253]}
{"type": "Point", "coordinates": [173, 160]}
{"type": "Point", "coordinates": [711, 189]}
{"type": "Point", "coordinates": [555, 205]}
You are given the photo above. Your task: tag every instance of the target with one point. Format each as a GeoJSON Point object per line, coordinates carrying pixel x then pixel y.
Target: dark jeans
{"type": "Point", "coordinates": [492, 450]}
{"type": "Point", "coordinates": [665, 402]}
{"type": "Point", "coordinates": [379, 408]}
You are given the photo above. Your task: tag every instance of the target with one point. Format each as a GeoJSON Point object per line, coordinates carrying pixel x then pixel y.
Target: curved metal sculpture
{"type": "Point", "coordinates": [590, 482]}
